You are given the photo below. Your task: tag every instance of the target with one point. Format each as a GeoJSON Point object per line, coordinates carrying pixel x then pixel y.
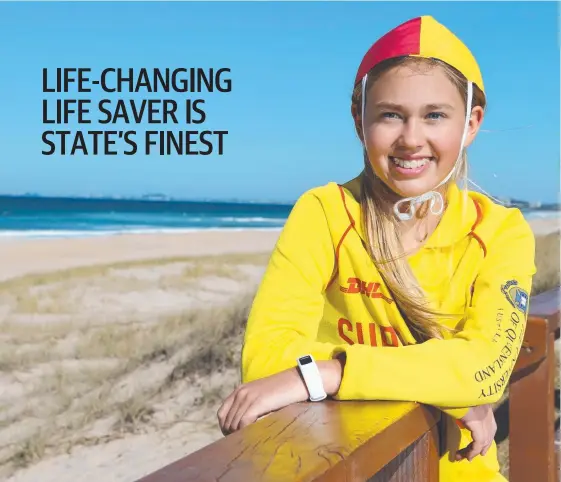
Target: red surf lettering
{"type": "Point", "coordinates": [345, 323]}
{"type": "Point", "coordinates": [386, 334]}
{"type": "Point", "coordinates": [388, 330]}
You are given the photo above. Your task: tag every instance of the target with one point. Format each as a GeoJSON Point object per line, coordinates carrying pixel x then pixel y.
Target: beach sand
{"type": "Point", "coordinates": [542, 227]}
{"type": "Point", "coordinates": [33, 255]}
{"type": "Point", "coordinates": [102, 368]}
{"type": "Point", "coordinates": [94, 360]}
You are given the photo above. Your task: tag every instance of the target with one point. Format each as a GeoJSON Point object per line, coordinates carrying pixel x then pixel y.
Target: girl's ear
{"type": "Point", "coordinates": [474, 125]}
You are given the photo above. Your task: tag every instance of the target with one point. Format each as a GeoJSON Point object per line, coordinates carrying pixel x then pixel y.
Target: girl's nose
{"type": "Point", "coordinates": [412, 136]}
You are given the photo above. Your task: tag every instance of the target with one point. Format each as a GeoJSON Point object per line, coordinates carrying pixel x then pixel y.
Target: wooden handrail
{"type": "Point", "coordinates": [328, 441]}
{"type": "Point", "coordinates": [380, 441]}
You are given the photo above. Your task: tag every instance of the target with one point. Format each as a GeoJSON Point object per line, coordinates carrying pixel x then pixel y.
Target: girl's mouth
{"type": "Point", "coordinates": [410, 167]}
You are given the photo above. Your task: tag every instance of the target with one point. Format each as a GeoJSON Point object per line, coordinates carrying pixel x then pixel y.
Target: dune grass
{"type": "Point", "coordinates": [79, 369]}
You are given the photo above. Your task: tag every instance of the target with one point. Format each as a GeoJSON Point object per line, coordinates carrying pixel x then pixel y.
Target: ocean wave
{"type": "Point", "coordinates": [56, 233]}
{"type": "Point", "coordinates": [542, 215]}
{"type": "Point", "coordinates": [250, 219]}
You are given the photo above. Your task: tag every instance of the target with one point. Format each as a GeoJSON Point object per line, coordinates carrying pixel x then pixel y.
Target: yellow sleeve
{"type": "Point", "coordinates": [288, 305]}
{"type": "Point", "coordinates": [474, 366]}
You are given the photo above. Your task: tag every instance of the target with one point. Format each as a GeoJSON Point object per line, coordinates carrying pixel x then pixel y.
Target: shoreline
{"type": "Point", "coordinates": [7, 235]}
{"type": "Point", "coordinates": [540, 225]}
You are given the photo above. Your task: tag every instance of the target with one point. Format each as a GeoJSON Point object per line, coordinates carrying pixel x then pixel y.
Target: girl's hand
{"type": "Point", "coordinates": [252, 400]}
{"type": "Point", "coordinates": [480, 421]}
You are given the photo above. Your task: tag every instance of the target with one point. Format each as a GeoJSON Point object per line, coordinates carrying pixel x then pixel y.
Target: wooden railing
{"type": "Point", "coordinates": [385, 441]}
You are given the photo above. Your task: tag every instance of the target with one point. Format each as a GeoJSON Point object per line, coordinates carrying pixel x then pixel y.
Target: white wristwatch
{"type": "Point", "coordinates": [312, 378]}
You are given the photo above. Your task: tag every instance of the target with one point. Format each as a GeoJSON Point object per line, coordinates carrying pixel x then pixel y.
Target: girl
{"type": "Point", "coordinates": [399, 284]}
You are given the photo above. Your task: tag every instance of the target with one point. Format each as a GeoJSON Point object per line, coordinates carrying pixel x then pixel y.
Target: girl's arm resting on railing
{"type": "Point", "coordinates": [472, 368]}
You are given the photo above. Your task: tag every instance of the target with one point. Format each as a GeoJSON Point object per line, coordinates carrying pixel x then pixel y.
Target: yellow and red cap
{"type": "Point", "coordinates": [422, 37]}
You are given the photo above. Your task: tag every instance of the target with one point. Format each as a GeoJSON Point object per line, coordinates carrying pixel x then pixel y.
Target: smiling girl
{"type": "Point", "coordinates": [400, 284]}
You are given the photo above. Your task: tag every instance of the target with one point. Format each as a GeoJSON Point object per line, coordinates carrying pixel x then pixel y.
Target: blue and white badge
{"type": "Point", "coordinates": [515, 295]}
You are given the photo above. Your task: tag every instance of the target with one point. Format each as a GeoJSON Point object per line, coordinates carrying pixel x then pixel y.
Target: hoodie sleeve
{"type": "Point", "coordinates": [288, 305]}
{"type": "Point", "coordinates": [474, 366]}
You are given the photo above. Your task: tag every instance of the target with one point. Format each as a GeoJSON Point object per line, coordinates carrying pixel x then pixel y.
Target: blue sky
{"type": "Point", "coordinates": [288, 117]}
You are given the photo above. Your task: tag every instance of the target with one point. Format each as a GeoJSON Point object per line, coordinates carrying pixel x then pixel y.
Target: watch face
{"type": "Point", "coordinates": [305, 360]}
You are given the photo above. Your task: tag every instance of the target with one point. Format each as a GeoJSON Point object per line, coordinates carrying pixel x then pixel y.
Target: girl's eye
{"type": "Point", "coordinates": [390, 115]}
{"type": "Point", "coordinates": [436, 115]}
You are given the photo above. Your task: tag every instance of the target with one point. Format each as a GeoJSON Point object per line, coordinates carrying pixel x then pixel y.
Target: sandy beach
{"type": "Point", "coordinates": [21, 256]}
{"type": "Point", "coordinates": [541, 227]}
{"type": "Point", "coordinates": [115, 352]}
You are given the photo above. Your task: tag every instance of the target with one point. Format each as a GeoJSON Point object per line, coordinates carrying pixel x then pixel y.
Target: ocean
{"type": "Point", "coordinates": [45, 217]}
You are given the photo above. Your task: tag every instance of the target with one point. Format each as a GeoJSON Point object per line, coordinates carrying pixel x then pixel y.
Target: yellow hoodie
{"type": "Point", "coordinates": [322, 294]}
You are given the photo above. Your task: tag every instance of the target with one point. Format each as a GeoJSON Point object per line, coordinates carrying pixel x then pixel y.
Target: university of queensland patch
{"type": "Point", "coordinates": [515, 295]}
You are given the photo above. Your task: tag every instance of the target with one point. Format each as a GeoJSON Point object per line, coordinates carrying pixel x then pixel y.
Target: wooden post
{"type": "Point", "coordinates": [418, 463]}
{"type": "Point", "coordinates": [531, 397]}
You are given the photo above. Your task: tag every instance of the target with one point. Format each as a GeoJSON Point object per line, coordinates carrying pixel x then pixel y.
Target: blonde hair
{"type": "Point", "coordinates": [381, 226]}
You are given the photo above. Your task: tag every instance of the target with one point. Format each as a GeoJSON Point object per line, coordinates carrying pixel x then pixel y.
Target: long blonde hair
{"type": "Point", "coordinates": [381, 226]}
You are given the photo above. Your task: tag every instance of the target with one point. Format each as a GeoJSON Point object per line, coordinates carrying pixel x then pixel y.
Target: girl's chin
{"type": "Point", "coordinates": [411, 188]}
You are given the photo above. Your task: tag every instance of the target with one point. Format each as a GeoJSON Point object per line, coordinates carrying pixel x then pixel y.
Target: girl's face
{"type": "Point", "coordinates": [414, 123]}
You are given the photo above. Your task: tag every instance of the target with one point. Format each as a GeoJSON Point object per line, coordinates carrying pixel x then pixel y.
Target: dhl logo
{"type": "Point", "coordinates": [356, 285]}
